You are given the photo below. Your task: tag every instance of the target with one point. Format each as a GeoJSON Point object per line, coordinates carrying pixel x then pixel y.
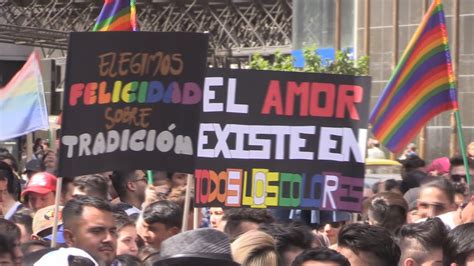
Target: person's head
{"type": "Point", "coordinates": [161, 220]}
{"type": "Point", "coordinates": [330, 230]}
{"type": "Point", "coordinates": [460, 247]}
{"type": "Point", "coordinates": [470, 150]}
{"type": "Point", "coordinates": [411, 163]}
{"type": "Point", "coordinates": [92, 185]}
{"type": "Point", "coordinates": [32, 167]}
{"type": "Point", "coordinates": [179, 179]}
{"type": "Point", "coordinates": [436, 197]}
{"type": "Point", "coordinates": [33, 245]}
{"type": "Point", "coordinates": [9, 182]}
{"type": "Point", "coordinates": [202, 246]}
{"type": "Point", "coordinates": [255, 248]}
{"type": "Point", "coordinates": [67, 190]}
{"type": "Point", "coordinates": [457, 171]}
{"type": "Point", "coordinates": [40, 190]}
{"type": "Point", "coordinates": [241, 220]}
{"type": "Point", "coordinates": [7, 251]}
{"type": "Point", "coordinates": [368, 245]}
{"type": "Point", "coordinates": [43, 224]}
{"type": "Point", "coordinates": [216, 214]}
{"type": "Point", "coordinates": [439, 167]}
{"type": "Point", "coordinates": [388, 209]}
{"type": "Point", "coordinates": [12, 232]}
{"type": "Point", "coordinates": [291, 239]}
{"type": "Point", "coordinates": [90, 226]}
{"type": "Point", "coordinates": [130, 184]}
{"type": "Point", "coordinates": [127, 235]}
{"type": "Point", "coordinates": [24, 221]}
{"type": "Point", "coordinates": [422, 243]}
{"type": "Point", "coordinates": [320, 257]}
{"type": "Point", "coordinates": [10, 160]}
{"type": "Point", "coordinates": [129, 260]}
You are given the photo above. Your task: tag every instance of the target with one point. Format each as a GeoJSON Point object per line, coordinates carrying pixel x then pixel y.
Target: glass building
{"type": "Point", "coordinates": [314, 23]}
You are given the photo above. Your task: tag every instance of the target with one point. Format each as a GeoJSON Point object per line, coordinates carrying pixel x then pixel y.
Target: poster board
{"type": "Point", "coordinates": [132, 101]}
{"type": "Point", "coordinates": [282, 139]}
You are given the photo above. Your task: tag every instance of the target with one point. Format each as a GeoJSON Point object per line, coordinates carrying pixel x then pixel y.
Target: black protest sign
{"type": "Point", "coordinates": [132, 101]}
{"type": "Point", "coordinates": [282, 139]}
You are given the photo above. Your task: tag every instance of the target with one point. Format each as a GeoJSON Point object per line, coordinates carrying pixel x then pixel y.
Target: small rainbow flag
{"type": "Point", "coordinates": [22, 104]}
{"type": "Point", "coordinates": [422, 85]}
{"type": "Point", "coordinates": [117, 15]}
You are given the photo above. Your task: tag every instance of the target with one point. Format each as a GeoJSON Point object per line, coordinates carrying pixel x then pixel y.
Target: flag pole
{"type": "Point", "coordinates": [462, 146]}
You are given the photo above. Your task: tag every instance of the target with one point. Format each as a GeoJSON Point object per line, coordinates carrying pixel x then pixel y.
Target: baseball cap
{"type": "Point", "coordinates": [41, 183]}
{"type": "Point", "coordinates": [63, 256]}
{"type": "Point", "coordinates": [43, 220]}
{"type": "Point", "coordinates": [33, 166]}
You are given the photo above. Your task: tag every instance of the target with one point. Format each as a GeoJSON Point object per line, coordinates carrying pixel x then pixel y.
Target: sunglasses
{"type": "Point", "coordinates": [458, 178]}
{"type": "Point", "coordinates": [332, 224]}
{"type": "Point", "coordinates": [437, 206]}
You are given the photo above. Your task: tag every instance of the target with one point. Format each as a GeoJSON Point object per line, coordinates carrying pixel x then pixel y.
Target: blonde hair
{"type": "Point", "coordinates": [255, 248]}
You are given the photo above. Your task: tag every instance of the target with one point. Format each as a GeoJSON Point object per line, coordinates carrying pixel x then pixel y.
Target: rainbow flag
{"type": "Point", "coordinates": [422, 85]}
{"type": "Point", "coordinates": [117, 15]}
{"type": "Point", "coordinates": [22, 105]}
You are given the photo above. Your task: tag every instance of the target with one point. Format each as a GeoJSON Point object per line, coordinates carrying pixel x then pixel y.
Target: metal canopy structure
{"type": "Point", "coordinates": [238, 28]}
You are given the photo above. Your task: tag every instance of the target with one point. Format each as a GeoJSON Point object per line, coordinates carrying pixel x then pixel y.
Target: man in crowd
{"type": "Point", "coordinates": [13, 234]}
{"type": "Point", "coordinates": [160, 220]}
{"type": "Point", "coordinates": [457, 170]}
{"type": "Point", "coordinates": [92, 185]}
{"type": "Point", "coordinates": [422, 243]}
{"type": "Point", "coordinates": [130, 187]}
{"type": "Point", "coordinates": [368, 245]}
{"type": "Point", "coordinates": [90, 226]}
{"type": "Point", "coordinates": [40, 191]}
{"type": "Point", "coordinates": [241, 220]}
{"type": "Point", "coordinates": [320, 256]}
{"type": "Point", "coordinates": [290, 239]}
{"type": "Point", "coordinates": [460, 247]}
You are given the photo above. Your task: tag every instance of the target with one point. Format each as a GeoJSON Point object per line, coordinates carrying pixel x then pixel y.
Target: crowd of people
{"type": "Point", "coordinates": [117, 218]}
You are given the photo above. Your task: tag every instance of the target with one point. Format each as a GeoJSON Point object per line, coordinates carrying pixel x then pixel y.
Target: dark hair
{"type": "Point", "coordinates": [459, 161]}
{"type": "Point", "coordinates": [165, 212]}
{"type": "Point", "coordinates": [93, 185]}
{"type": "Point", "coordinates": [122, 219]}
{"type": "Point", "coordinates": [13, 186]}
{"type": "Point", "coordinates": [460, 244]}
{"type": "Point", "coordinates": [391, 184]}
{"type": "Point", "coordinates": [66, 182]}
{"type": "Point", "coordinates": [420, 240]}
{"type": "Point", "coordinates": [24, 218]}
{"type": "Point", "coordinates": [321, 254]}
{"type": "Point", "coordinates": [7, 246]}
{"type": "Point", "coordinates": [74, 208]}
{"type": "Point", "coordinates": [389, 210]}
{"type": "Point", "coordinates": [289, 236]}
{"type": "Point", "coordinates": [25, 247]}
{"type": "Point", "coordinates": [444, 185]}
{"type": "Point", "coordinates": [120, 180]}
{"type": "Point", "coordinates": [236, 216]}
{"type": "Point", "coordinates": [10, 229]}
{"type": "Point", "coordinates": [9, 156]}
{"type": "Point", "coordinates": [128, 260]}
{"type": "Point", "coordinates": [371, 239]}
{"type": "Point", "coordinates": [79, 261]}
{"type": "Point", "coordinates": [33, 257]}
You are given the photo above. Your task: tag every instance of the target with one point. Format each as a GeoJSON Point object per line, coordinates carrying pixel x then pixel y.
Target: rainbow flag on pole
{"type": "Point", "coordinates": [117, 15]}
{"type": "Point", "coordinates": [22, 105]}
{"type": "Point", "coordinates": [422, 85]}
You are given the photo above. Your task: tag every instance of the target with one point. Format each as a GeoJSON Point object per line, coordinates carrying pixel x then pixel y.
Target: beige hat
{"type": "Point", "coordinates": [44, 219]}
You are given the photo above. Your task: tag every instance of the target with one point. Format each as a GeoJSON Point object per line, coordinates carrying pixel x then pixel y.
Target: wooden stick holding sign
{"type": "Point", "coordinates": [187, 202]}
{"type": "Point", "coordinates": [57, 199]}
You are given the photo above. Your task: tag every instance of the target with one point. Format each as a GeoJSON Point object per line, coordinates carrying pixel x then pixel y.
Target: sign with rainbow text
{"type": "Point", "coordinates": [282, 139]}
{"type": "Point", "coordinates": [132, 101]}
